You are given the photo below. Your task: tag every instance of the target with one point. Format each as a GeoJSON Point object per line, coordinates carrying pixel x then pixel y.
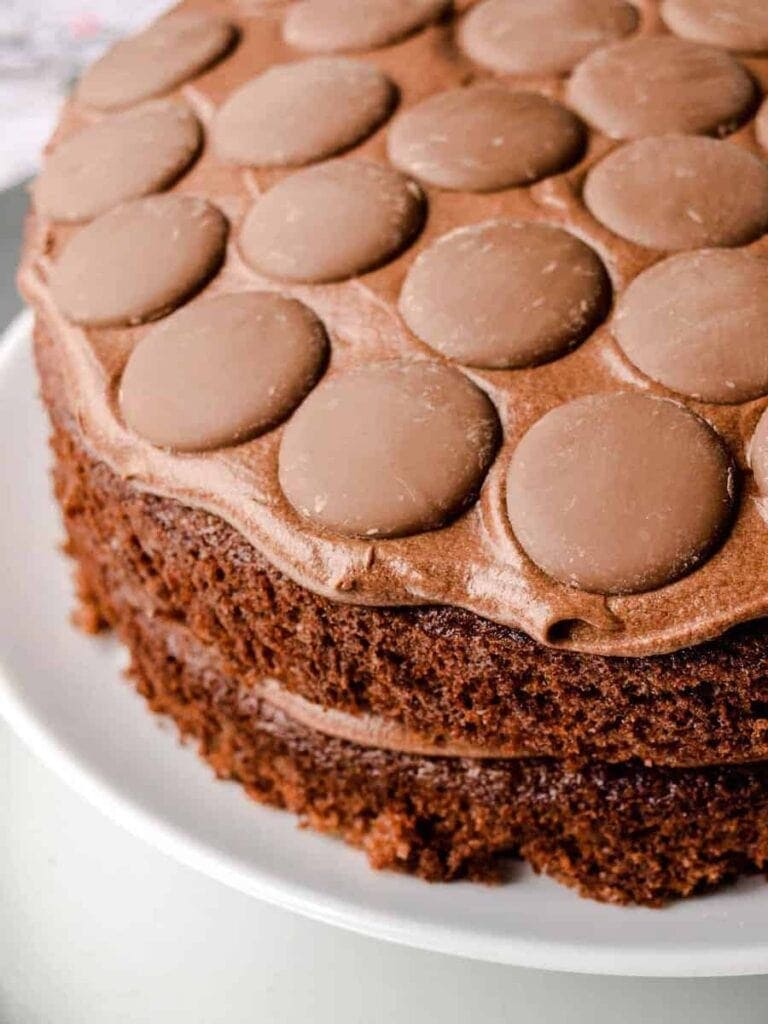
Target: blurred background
{"type": "Point", "coordinates": [43, 45]}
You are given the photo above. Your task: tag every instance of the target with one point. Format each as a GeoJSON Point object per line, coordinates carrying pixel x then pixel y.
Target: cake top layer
{"type": "Point", "coordinates": [454, 305]}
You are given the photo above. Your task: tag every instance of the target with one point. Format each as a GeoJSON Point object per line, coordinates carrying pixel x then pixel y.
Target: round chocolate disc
{"type": "Point", "coordinates": [123, 157]}
{"type": "Point", "coordinates": [327, 26]}
{"type": "Point", "coordinates": [758, 454]}
{"type": "Point", "coordinates": [332, 221]}
{"type": "Point", "coordinates": [761, 125]}
{"type": "Point", "coordinates": [505, 293]}
{"type": "Point", "coordinates": [619, 493]}
{"type": "Point", "coordinates": [732, 24]}
{"type": "Point", "coordinates": [545, 37]}
{"type": "Point", "coordinates": [139, 260]}
{"type": "Point", "coordinates": [293, 114]}
{"type": "Point", "coordinates": [657, 84]}
{"type": "Point", "coordinates": [680, 192]}
{"type": "Point", "coordinates": [222, 370]}
{"type": "Point", "coordinates": [698, 323]}
{"type": "Point", "coordinates": [485, 137]}
{"type": "Point", "coordinates": [157, 60]}
{"type": "Point", "coordinates": [388, 450]}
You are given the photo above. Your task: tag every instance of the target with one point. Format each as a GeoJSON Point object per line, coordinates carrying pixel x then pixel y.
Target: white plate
{"type": "Point", "coordinates": [63, 693]}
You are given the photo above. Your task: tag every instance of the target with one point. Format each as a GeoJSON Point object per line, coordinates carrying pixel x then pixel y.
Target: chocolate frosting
{"type": "Point", "coordinates": [475, 560]}
{"type": "Point", "coordinates": [372, 730]}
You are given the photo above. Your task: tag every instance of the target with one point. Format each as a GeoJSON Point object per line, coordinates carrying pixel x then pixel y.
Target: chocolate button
{"type": "Point", "coordinates": [732, 24]}
{"type": "Point", "coordinates": [332, 221]}
{"type": "Point", "coordinates": [332, 25]}
{"type": "Point", "coordinates": [222, 370]}
{"type": "Point", "coordinates": [649, 86]}
{"type": "Point", "coordinates": [173, 49]}
{"type": "Point", "coordinates": [485, 137]}
{"type": "Point", "coordinates": [680, 192]}
{"type": "Point", "coordinates": [619, 493]}
{"type": "Point", "coordinates": [758, 454]}
{"type": "Point", "coordinates": [505, 293]}
{"type": "Point", "coordinates": [124, 157]}
{"type": "Point", "coordinates": [296, 113]}
{"type": "Point", "coordinates": [388, 450]}
{"type": "Point", "coordinates": [543, 37]}
{"type": "Point", "coordinates": [139, 260]}
{"type": "Point", "coordinates": [761, 125]}
{"type": "Point", "coordinates": [698, 323]}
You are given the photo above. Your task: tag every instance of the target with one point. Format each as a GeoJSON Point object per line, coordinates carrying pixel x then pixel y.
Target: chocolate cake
{"type": "Point", "coordinates": [407, 369]}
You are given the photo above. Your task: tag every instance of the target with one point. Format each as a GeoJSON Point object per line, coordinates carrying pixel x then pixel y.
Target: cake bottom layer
{"type": "Point", "coordinates": [618, 833]}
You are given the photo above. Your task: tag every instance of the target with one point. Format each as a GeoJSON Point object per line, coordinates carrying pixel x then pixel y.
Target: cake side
{"type": "Point", "coordinates": [620, 834]}
{"type": "Point", "coordinates": [445, 674]}
{"type": "Point", "coordinates": [623, 833]}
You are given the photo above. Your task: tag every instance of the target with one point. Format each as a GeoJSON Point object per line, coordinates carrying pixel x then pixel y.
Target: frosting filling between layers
{"type": "Point", "coordinates": [380, 733]}
{"type": "Point", "coordinates": [475, 561]}
{"type": "Point", "coordinates": [371, 730]}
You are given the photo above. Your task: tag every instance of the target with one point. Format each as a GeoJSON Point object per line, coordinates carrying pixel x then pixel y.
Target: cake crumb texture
{"type": "Point", "coordinates": [621, 833]}
{"type": "Point", "coordinates": [443, 672]}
